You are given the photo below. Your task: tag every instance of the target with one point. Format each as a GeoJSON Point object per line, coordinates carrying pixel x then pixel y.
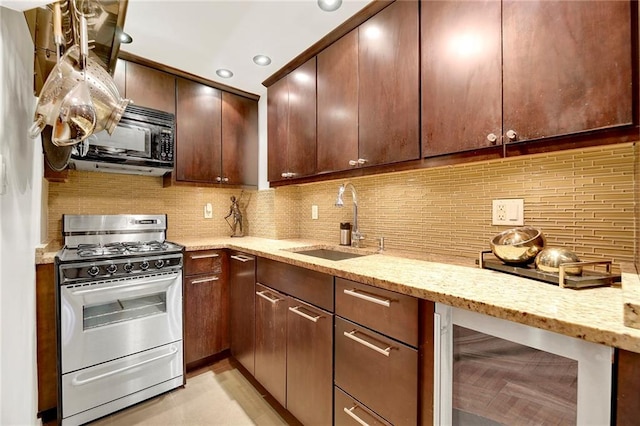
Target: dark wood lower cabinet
{"type": "Point", "coordinates": [271, 342]}
{"type": "Point", "coordinates": [627, 388]}
{"type": "Point", "coordinates": [46, 338]}
{"type": "Point", "coordinates": [242, 277]}
{"type": "Point", "coordinates": [206, 306]}
{"type": "Point", "coordinates": [380, 372]}
{"type": "Point", "coordinates": [309, 363]}
{"type": "Point", "coordinates": [349, 411]}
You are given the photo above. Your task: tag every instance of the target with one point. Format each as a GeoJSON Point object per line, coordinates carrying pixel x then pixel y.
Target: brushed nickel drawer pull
{"type": "Point", "coordinates": [352, 335]}
{"type": "Point", "coordinates": [350, 413]}
{"type": "Point", "coordinates": [242, 258]}
{"type": "Point", "coordinates": [263, 294]}
{"type": "Point", "coordinates": [354, 293]}
{"type": "Point", "coordinates": [296, 310]}
{"type": "Point", "coordinates": [205, 280]}
{"type": "Point", "coordinates": [204, 256]}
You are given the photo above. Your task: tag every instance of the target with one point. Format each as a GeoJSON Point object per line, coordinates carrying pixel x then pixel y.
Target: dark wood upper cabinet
{"type": "Point", "coordinates": [146, 86]}
{"type": "Point", "coordinates": [291, 119]}
{"type": "Point", "coordinates": [198, 132]}
{"type": "Point", "coordinates": [567, 67]}
{"type": "Point", "coordinates": [461, 76]}
{"type": "Point", "coordinates": [277, 129]}
{"type": "Point", "coordinates": [338, 104]}
{"type": "Point", "coordinates": [389, 86]}
{"type": "Point", "coordinates": [502, 72]}
{"type": "Point", "coordinates": [239, 164]}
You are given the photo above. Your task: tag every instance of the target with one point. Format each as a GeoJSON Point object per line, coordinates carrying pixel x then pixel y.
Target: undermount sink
{"type": "Point", "coordinates": [331, 253]}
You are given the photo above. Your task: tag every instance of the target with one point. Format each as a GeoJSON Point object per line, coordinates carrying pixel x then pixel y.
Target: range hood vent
{"type": "Point", "coordinates": [104, 33]}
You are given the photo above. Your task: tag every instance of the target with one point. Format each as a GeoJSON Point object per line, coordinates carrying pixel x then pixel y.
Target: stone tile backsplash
{"type": "Point", "coordinates": [581, 199]}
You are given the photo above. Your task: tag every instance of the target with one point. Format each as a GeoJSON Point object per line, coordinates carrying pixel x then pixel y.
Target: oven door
{"type": "Point", "coordinates": [104, 320]}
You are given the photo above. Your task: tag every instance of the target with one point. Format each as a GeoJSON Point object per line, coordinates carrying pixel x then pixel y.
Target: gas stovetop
{"type": "Point", "coordinates": [127, 249]}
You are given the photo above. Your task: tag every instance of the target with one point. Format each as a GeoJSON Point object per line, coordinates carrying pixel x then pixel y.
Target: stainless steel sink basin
{"type": "Point", "coordinates": [331, 253]}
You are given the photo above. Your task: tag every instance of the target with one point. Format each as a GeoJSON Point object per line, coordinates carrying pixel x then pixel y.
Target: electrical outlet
{"type": "Point", "coordinates": [314, 212]}
{"type": "Point", "coordinates": [508, 212]}
{"type": "Point", "coordinates": [208, 211]}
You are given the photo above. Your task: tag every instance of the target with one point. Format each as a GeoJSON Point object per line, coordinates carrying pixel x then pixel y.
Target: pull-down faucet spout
{"type": "Point", "coordinates": [356, 236]}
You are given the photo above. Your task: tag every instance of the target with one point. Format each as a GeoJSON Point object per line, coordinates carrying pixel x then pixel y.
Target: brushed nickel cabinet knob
{"type": "Point", "coordinates": [492, 138]}
{"type": "Point", "coordinates": [512, 135]}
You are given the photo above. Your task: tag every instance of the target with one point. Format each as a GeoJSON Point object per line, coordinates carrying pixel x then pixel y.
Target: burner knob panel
{"type": "Point", "coordinates": [93, 271]}
{"type": "Point", "coordinates": [112, 268]}
{"type": "Point", "coordinates": [144, 265]}
{"type": "Point", "coordinates": [128, 267]}
{"type": "Point", "coordinates": [159, 263]}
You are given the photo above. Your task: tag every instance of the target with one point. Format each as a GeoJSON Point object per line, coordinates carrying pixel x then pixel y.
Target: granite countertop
{"type": "Point", "coordinates": [601, 315]}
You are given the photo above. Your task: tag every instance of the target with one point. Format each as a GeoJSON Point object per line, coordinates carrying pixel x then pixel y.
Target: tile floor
{"type": "Point", "coordinates": [218, 394]}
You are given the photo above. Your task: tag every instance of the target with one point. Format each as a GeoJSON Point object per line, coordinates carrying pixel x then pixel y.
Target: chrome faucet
{"type": "Point", "coordinates": [356, 236]}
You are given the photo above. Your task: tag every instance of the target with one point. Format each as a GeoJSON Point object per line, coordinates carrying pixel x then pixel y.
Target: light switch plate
{"type": "Point", "coordinates": [508, 212]}
{"type": "Point", "coordinates": [208, 211]}
{"type": "Point", "coordinates": [314, 212]}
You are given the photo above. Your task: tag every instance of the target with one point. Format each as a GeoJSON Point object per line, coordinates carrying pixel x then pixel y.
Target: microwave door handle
{"type": "Point", "coordinates": [141, 285]}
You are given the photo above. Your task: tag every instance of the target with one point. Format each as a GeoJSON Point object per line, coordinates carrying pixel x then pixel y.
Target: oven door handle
{"type": "Point", "coordinates": [128, 283]}
{"type": "Point", "coordinates": [76, 382]}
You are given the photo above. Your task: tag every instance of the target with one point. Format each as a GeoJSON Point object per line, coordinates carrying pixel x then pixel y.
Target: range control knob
{"type": "Point", "coordinates": [112, 268]}
{"type": "Point", "coordinates": [159, 263]}
{"type": "Point", "coordinates": [144, 265]}
{"type": "Point", "coordinates": [128, 267]}
{"type": "Point", "coordinates": [93, 271]}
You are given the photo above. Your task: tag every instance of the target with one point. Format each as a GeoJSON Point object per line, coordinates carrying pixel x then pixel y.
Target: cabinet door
{"type": "Point", "coordinates": [389, 87]}
{"type": "Point", "coordinates": [242, 278]}
{"type": "Point", "coordinates": [206, 316]}
{"type": "Point", "coordinates": [567, 66]}
{"type": "Point", "coordinates": [271, 342]}
{"type": "Point", "coordinates": [150, 88]}
{"type": "Point", "coordinates": [198, 133]}
{"type": "Point", "coordinates": [338, 104]}
{"type": "Point", "coordinates": [239, 140]}
{"type": "Point", "coordinates": [277, 129]}
{"type": "Point", "coordinates": [309, 363]}
{"type": "Point", "coordinates": [301, 147]}
{"type": "Point", "coordinates": [461, 76]}
{"type": "Point", "coordinates": [46, 337]}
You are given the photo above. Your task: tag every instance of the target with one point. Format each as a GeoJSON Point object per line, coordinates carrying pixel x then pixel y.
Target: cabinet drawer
{"type": "Point", "coordinates": [378, 371]}
{"type": "Point", "coordinates": [349, 411]}
{"type": "Point", "coordinates": [202, 262]}
{"type": "Point", "coordinates": [311, 286]}
{"type": "Point", "coordinates": [390, 313]}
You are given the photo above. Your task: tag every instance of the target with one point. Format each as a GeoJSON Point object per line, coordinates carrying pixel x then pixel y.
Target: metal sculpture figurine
{"type": "Point", "coordinates": [236, 215]}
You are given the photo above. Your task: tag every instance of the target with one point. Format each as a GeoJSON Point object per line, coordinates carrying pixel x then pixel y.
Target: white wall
{"type": "Point", "coordinates": [19, 223]}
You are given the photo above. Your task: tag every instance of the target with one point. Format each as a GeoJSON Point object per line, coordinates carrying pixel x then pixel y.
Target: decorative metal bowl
{"type": "Point", "coordinates": [518, 246]}
{"type": "Point", "coordinates": [550, 259]}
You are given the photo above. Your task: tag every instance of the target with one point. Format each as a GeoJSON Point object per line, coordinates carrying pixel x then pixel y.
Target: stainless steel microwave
{"type": "Point", "coordinates": [143, 143]}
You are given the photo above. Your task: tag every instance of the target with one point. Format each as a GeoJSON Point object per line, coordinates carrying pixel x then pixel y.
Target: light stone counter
{"type": "Point", "coordinates": [596, 314]}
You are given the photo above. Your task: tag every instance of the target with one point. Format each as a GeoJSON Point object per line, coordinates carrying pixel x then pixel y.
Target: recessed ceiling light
{"type": "Point", "coordinates": [125, 38]}
{"type": "Point", "coordinates": [262, 60]}
{"type": "Point", "coordinates": [224, 73]}
{"type": "Point", "coordinates": [329, 5]}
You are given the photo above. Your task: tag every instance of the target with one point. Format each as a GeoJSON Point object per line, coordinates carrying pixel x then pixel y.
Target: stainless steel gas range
{"type": "Point", "coordinates": [119, 302]}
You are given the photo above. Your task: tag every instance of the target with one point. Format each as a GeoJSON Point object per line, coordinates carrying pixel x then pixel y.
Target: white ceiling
{"type": "Point", "coordinates": [201, 36]}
